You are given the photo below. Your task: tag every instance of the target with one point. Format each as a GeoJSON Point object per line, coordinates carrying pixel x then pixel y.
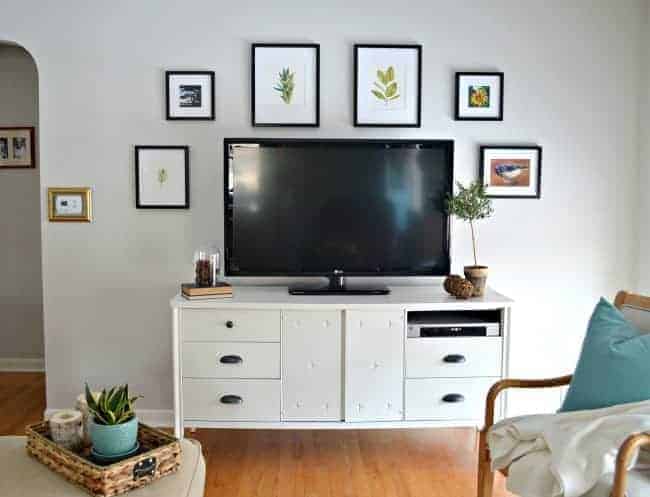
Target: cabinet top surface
{"type": "Point", "coordinates": [430, 297]}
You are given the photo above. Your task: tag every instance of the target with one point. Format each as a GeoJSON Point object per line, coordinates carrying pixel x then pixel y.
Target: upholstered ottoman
{"type": "Point", "coordinates": [23, 476]}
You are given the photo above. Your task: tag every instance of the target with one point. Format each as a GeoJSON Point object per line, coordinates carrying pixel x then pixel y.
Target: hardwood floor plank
{"type": "Point", "coordinates": [303, 463]}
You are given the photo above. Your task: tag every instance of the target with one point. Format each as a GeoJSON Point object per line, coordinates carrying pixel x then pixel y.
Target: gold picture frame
{"type": "Point", "coordinates": [70, 204]}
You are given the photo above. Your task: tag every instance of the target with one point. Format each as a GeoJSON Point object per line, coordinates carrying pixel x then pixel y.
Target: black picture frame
{"type": "Point", "coordinates": [357, 122]}
{"type": "Point", "coordinates": [537, 148]}
{"type": "Point", "coordinates": [168, 116]}
{"type": "Point", "coordinates": [138, 202]}
{"type": "Point", "coordinates": [254, 47]}
{"type": "Point", "coordinates": [460, 75]}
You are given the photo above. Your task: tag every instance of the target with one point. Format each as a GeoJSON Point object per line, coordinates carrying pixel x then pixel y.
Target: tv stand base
{"type": "Point", "coordinates": [338, 286]}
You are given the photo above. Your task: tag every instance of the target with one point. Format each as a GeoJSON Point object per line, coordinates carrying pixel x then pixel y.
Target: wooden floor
{"type": "Point", "coordinates": [283, 463]}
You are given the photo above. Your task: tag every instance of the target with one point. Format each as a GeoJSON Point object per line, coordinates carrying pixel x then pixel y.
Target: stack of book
{"type": "Point", "coordinates": [192, 292]}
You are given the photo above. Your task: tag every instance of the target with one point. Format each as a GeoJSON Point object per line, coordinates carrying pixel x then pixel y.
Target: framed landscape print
{"type": "Point", "coordinates": [512, 172]}
{"type": "Point", "coordinates": [17, 148]}
{"type": "Point", "coordinates": [70, 204]}
{"type": "Point", "coordinates": [162, 177]}
{"type": "Point", "coordinates": [479, 96]}
{"type": "Point", "coordinates": [190, 95]}
{"type": "Point", "coordinates": [285, 84]}
{"type": "Point", "coordinates": [387, 85]}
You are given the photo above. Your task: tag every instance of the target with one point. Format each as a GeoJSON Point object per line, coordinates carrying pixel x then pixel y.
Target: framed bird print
{"type": "Point", "coordinates": [511, 171]}
{"type": "Point", "coordinates": [479, 96]}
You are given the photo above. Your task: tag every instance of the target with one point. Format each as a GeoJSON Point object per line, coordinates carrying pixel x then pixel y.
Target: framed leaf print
{"type": "Point", "coordinates": [479, 96]}
{"type": "Point", "coordinates": [388, 85]}
{"type": "Point", "coordinates": [285, 84]}
{"type": "Point", "coordinates": [162, 177]}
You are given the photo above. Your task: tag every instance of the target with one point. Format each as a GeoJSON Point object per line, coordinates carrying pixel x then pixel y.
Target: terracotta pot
{"type": "Point", "coordinates": [478, 276]}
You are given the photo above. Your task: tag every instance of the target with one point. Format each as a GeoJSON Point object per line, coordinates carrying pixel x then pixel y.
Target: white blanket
{"type": "Point", "coordinates": [573, 449]}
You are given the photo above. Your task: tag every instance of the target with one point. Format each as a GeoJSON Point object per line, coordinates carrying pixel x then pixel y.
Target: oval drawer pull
{"type": "Point", "coordinates": [231, 359]}
{"type": "Point", "coordinates": [229, 324]}
{"type": "Point", "coordinates": [231, 399]}
{"type": "Point", "coordinates": [454, 358]}
{"type": "Point", "coordinates": [453, 398]}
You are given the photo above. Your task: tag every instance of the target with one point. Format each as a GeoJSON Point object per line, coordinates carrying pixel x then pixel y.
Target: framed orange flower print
{"type": "Point", "coordinates": [479, 96]}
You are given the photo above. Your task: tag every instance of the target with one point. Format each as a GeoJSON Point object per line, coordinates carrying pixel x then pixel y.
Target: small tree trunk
{"type": "Point", "coordinates": [471, 225]}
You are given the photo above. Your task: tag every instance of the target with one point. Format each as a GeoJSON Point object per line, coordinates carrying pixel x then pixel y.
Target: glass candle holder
{"type": "Point", "coordinates": [206, 267]}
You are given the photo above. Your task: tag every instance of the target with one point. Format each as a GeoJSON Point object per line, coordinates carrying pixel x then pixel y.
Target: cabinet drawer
{"type": "Point", "coordinates": [453, 357]}
{"type": "Point", "coordinates": [231, 400]}
{"type": "Point", "coordinates": [451, 398]}
{"type": "Point", "coordinates": [231, 360]}
{"type": "Point", "coordinates": [211, 325]}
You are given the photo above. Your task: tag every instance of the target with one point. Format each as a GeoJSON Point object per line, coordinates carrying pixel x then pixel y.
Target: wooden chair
{"type": "Point", "coordinates": [623, 301]}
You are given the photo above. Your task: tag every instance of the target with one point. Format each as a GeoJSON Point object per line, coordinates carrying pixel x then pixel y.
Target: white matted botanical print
{"type": "Point", "coordinates": [285, 84]}
{"type": "Point", "coordinates": [162, 177]}
{"type": "Point", "coordinates": [511, 172]}
{"type": "Point", "coordinates": [479, 96]}
{"type": "Point", "coordinates": [387, 85]}
{"type": "Point", "coordinates": [190, 95]}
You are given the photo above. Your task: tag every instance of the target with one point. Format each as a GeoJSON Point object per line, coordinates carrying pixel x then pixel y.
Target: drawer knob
{"type": "Point", "coordinates": [231, 399]}
{"type": "Point", "coordinates": [229, 324]}
{"type": "Point", "coordinates": [454, 358]}
{"type": "Point", "coordinates": [453, 398]}
{"type": "Point", "coordinates": [231, 359]}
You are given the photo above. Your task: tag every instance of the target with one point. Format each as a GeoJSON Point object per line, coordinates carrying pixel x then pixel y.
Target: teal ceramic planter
{"type": "Point", "coordinates": [114, 440]}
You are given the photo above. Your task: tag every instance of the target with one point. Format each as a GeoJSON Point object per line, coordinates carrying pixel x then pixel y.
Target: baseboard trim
{"type": "Point", "coordinates": [159, 418]}
{"type": "Point", "coordinates": [20, 365]}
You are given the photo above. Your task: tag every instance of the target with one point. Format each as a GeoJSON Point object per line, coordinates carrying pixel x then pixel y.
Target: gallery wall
{"type": "Point", "coordinates": [572, 85]}
{"type": "Point", "coordinates": [21, 295]}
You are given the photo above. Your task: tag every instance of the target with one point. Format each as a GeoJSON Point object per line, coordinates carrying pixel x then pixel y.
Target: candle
{"type": "Point", "coordinates": [65, 428]}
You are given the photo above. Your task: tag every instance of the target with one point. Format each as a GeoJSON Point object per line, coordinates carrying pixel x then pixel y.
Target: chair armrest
{"type": "Point", "coordinates": [511, 383]}
{"type": "Point", "coordinates": [625, 454]}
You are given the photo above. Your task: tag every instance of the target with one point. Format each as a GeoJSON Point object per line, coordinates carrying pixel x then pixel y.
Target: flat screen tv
{"type": "Point", "coordinates": [337, 208]}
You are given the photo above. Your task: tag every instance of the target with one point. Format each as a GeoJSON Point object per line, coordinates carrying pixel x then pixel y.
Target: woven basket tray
{"type": "Point", "coordinates": [159, 455]}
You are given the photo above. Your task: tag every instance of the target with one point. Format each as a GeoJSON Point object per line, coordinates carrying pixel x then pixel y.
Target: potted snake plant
{"type": "Point", "coordinates": [471, 204]}
{"type": "Point", "coordinates": [113, 425]}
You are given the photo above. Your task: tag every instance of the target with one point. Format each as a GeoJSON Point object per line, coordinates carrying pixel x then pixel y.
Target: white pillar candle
{"type": "Point", "coordinates": [65, 428]}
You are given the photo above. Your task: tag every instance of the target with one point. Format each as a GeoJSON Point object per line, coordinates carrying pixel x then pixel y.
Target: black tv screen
{"type": "Point", "coordinates": [309, 207]}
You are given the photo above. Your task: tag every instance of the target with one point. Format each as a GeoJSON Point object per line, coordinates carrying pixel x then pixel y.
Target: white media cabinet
{"type": "Point", "coordinates": [266, 359]}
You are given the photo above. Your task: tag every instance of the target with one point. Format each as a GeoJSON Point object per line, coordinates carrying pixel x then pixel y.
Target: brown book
{"type": "Point", "coordinates": [220, 289]}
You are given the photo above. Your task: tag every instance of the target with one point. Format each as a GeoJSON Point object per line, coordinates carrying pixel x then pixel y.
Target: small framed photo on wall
{"type": "Point", "coordinates": [162, 177]}
{"type": "Point", "coordinates": [479, 96]}
{"type": "Point", "coordinates": [388, 85]}
{"type": "Point", "coordinates": [190, 95]}
{"type": "Point", "coordinates": [70, 204]}
{"type": "Point", "coordinates": [285, 84]}
{"type": "Point", "coordinates": [512, 171]}
{"type": "Point", "coordinates": [17, 148]}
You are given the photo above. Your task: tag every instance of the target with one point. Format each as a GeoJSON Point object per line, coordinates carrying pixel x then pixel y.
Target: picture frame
{"type": "Point", "coordinates": [17, 147]}
{"type": "Point", "coordinates": [189, 95]}
{"type": "Point", "coordinates": [162, 177]}
{"type": "Point", "coordinates": [70, 204]}
{"type": "Point", "coordinates": [511, 171]}
{"type": "Point", "coordinates": [479, 96]}
{"type": "Point", "coordinates": [285, 84]}
{"type": "Point", "coordinates": [388, 86]}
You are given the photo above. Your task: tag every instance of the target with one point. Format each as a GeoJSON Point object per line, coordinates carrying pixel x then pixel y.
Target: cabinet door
{"type": "Point", "coordinates": [311, 366]}
{"type": "Point", "coordinates": [374, 366]}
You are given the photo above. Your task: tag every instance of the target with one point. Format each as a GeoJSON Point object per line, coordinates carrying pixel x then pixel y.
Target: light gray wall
{"type": "Point", "coordinates": [21, 295]}
{"type": "Point", "coordinates": [572, 85]}
{"type": "Point", "coordinates": [644, 163]}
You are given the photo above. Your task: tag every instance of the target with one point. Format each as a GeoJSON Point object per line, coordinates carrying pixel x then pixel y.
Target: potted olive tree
{"type": "Point", "coordinates": [113, 425]}
{"type": "Point", "coordinates": [471, 204]}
